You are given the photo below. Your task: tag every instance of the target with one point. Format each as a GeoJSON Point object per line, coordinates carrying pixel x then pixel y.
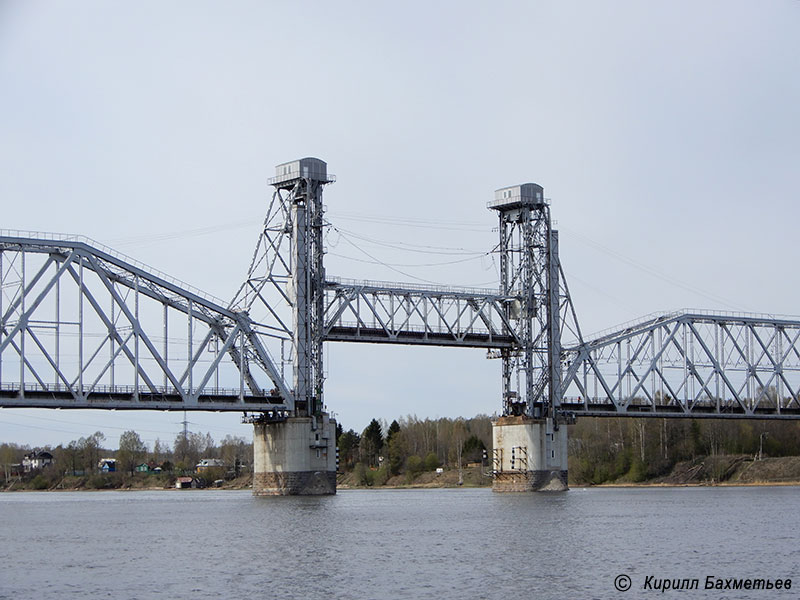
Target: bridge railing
{"type": "Point", "coordinates": [8, 389]}
{"type": "Point", "coordinates": [449, 290]}
{"type": "Point", "coordinates": [30, 236]}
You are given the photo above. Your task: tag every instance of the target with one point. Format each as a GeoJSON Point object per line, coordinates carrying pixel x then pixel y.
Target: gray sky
{"type": "Point", "coordinates": [665, 133]}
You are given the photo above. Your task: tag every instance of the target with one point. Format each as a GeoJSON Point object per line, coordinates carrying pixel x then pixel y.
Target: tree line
{"type": "Point", "coordinates": [82, 457]}
{"type": "Point", "coordinates": [607, 449]}
{"type": "Point", "coordinates": [600, 449]}
{"type": "Point", "coordinates": [410, 445]}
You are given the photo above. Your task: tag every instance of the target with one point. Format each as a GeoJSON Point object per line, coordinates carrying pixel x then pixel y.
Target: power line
{"type": "Point", "coordinates": [438, 264]}
{"type": "Point", "coordinates": [600, 291]}
{"type": "Point", "coordinates": [84, 425]}
{"type": "Point", "coordinates": [652, 271]}
{"type": "Point", "coordinates": [185, 233]}
{"type": "Point", "coordinates": [248, 222]}
{"type": "Point", "coordinates": [375, 260]}
{"type": "Point", "coordinates": [419, 248]}
{"type": "Point", "coordinates": [380, 262]}
{"type": "Point", "coordinates": [408, 222]}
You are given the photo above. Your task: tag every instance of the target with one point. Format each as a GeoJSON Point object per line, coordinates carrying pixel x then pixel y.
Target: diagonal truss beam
{"type": "Point", "coordinates": [690, 364]}
{"type": "Point", "coordinates": [75, 303]}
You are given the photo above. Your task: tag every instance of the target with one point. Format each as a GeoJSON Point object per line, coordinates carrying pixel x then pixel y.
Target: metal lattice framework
{"type": "Point", "coordinates": [84, 327]}
{"type": "Point", "coordinates": [380, 312]}
{"type": "Point", "coordinates": [529, 273]}
{"type": "Point", "coordinates": [78, 320]}
{"type": "Point", "coordinates": [522, 323]}
{"type": "Point", "coordinates": [688, 364]}
{"type": "Point", "coordinates": [284, 288]}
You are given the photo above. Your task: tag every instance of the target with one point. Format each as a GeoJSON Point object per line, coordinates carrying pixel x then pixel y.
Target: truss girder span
{"type": "Point", "coordinates": [83, 328]}
{"type": "Point", "coordinates": [688, 364]}
{"type": "Point", "coordinates": [386, 313]}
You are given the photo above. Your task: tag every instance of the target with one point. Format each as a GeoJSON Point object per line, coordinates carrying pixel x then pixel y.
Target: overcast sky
{"type": "Point", "coordinates": [664, 133]}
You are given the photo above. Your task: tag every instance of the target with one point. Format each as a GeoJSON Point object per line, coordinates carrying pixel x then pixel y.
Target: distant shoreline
{"type": "Point", "coordinates": [707, 484]}
{"type": "Point", "coordinates": [581, 486]}
{"type": "Point", "coordinates": [704, 471]}
{"type": "Point", "coordinates": [347, 487]}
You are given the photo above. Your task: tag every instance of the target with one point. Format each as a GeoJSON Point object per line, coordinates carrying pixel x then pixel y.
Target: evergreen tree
{"type": "Point", "coordinates": [397, 450]}
{"type": "Point", "coordinates": [372, 442]}
{"type": "Point", "coordinates": [348, 445]}
{"type": "Point", "coordinates": [393, 429]}
{"type": "Point", "coordinates": [473, 449]}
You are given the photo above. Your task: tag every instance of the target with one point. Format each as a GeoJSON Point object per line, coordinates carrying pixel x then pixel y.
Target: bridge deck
{"type": "Point", "coordinates": [378, 335]}
{"type": "Point", "coordinates": [609, 409]}
{"type": "Point", "coordinates": [126, 398]}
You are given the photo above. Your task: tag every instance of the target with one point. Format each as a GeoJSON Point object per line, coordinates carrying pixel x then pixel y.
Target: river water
{"type": "Point", "coordinates": [440, 543]}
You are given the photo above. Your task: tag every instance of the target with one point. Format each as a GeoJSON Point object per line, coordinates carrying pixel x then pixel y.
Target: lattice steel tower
{"type": "Point", "coordinates": [287, 270]}
{"type": "Point", "coordinates": [529, 277]}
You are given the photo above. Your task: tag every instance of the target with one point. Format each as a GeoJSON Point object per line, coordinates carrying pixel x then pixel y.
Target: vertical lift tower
{"type": "Point", "coordinates": [530, 446]}
{"type": "Point", "coordinates": [295, 453]}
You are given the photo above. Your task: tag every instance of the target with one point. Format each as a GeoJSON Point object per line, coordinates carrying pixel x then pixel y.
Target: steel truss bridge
{"type": "Point", "coordinates": [689, 364]}
{"type": "Point", "coordinates": [86, 327]}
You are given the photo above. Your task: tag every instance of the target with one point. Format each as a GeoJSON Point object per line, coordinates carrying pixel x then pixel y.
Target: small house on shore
{"type": "Point", "coordinates": [209, 463]}
{"type": "Point", "coordinates": [36, 460]}
{"type": "Point", "coordinates": [187, 482]}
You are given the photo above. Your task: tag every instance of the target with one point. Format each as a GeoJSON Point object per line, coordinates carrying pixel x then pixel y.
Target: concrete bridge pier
{"type": "Point", "coordinates": [295, 456]}
{"type": "Point", "coordinates": [530, 455]}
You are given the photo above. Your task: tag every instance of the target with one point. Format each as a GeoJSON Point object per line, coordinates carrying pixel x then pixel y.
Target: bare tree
{"type": "Point", "coordinates": [131, 451]}
{"type": "Point", "coordinates": [90, 449]}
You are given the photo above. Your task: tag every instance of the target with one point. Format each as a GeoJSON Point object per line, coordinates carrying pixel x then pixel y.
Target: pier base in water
{"type": "Point", "coordinates": [529, 455]}
{"type": "Point", "coordinates": [295, 457]}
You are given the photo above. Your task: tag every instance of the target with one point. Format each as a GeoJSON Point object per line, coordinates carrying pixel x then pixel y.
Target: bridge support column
{"type": "Point", "coordinates": [294, 458]}
{"type": "Point", "coordinates": [529, 455]}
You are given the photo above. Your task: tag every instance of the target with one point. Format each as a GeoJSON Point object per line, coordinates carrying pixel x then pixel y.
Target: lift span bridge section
{"type": "Point", "coordinates": [85, 327]}
{"type": "Point", "coordinates": [688, 364]}
{"type": "Point", "coordinates": [394, 313]}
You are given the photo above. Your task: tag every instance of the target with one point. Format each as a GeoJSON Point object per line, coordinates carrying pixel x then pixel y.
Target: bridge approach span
{"type": "Point", "coordinates": [690, 363]}
{"type": "Point", "coordinates": [85, 327]}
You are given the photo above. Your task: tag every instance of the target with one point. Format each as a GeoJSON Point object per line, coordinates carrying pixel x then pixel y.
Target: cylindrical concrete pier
{"type": "Point", "coordinates": [295, 457]}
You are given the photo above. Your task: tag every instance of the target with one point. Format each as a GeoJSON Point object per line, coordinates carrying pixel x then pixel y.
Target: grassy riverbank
{"type": "Point", "coordinates": [112, 481]}
{"type": "Point", "coordinates": [723, 469]}
{"type": "Point", "coordinates": [703, 471]}
{"type": "Point", "coordinates": [471, 477]}
{"type": "Point", "coordinates": [733, 470]}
